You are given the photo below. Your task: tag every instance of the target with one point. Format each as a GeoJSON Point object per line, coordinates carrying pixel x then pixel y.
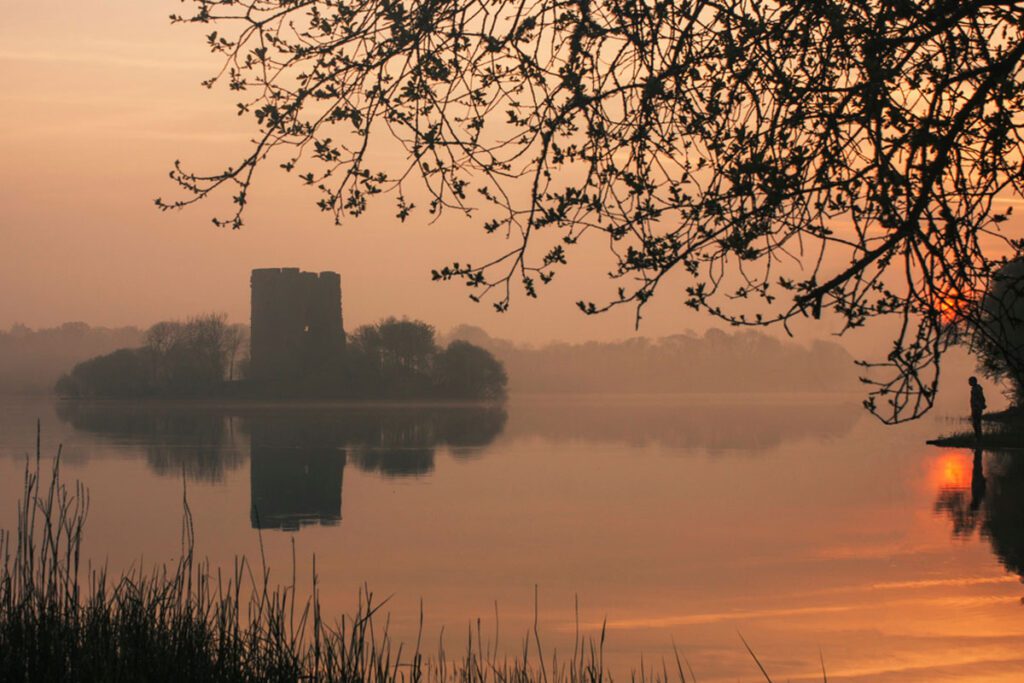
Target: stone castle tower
{"type": "Point", "coordinates": [296, 326]}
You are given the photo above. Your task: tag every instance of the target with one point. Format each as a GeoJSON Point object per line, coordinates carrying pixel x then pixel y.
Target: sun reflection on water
{"type": "Point", "coordinates": [952, 470]}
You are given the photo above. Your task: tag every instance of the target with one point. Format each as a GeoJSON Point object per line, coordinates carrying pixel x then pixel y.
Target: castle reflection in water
{"type": "Point", "coordinates": [297, 455]}
{"type": "Point", "coordinates": [298, 452]}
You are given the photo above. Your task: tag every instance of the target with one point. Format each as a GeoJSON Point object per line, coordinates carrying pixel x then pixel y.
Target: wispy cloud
{"type": "Point", "coordinates": [107, 59]}
{"type": "Point", "coordinates": [668, 621]}
{"type": "Point", "coordinates": [934, 583]}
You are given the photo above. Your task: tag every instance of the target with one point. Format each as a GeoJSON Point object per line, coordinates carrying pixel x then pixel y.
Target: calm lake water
{"type": "Point", "coordinates": [799, 522]}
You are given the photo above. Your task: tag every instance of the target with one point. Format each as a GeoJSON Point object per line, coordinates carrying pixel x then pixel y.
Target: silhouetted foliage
{"type": "Point", "coordinates": [122, 374]}
{"type": "Point", "coordinates": [463, 370]}
{"type": "Point", "coordinates": [999, 340]}
{"type": "Point", "coordinates": [778, 160]}
{"type": "Point", "coordinates": [401, 359]}
{"type": "Point", "coordinates": [191, 358]}
{"type": "Point", "coordinates": [392, 359]}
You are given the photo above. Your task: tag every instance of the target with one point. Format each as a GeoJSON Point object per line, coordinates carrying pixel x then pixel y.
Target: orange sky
{"type": "Point", "coordinates": [97, 99]}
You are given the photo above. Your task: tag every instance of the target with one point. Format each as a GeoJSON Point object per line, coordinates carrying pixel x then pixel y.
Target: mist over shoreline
{"type": "Point", "coordinates": [718, 361]}
{"type": "Point", "coordinates": [32, 360]}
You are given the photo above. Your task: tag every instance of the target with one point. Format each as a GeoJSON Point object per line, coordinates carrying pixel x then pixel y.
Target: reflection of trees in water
{"type": "Point", "coordinates": [395, 461]}
{"type": "Point", "coordinates": [466, 432]}
{"type": "Point", "coordinates": [713, 423]}
{"type": "Point", "coordinates": [1004, 507]}
{"type": "Point", "coordinates": [402, 443]}
{"type": "Point", "coordinates": [992, 504]}
{"type": "Point", "coordinates": [175, 439]}
{"type": "Point", "coordinates": [297, 453]}
{"type": "Point", "coordinates": [395, 444]}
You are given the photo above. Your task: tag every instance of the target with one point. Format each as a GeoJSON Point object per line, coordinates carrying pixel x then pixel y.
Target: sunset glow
{"type": "Point", "coordinates": [952, 306]}
{"type": "Point", "coordinates": [951, 470]}
{"type": "Point", "coordinates": [511, 341]}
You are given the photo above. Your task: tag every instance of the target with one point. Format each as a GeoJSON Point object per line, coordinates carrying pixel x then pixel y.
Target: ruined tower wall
{"type": "Point", "coordinates": [296, 323]}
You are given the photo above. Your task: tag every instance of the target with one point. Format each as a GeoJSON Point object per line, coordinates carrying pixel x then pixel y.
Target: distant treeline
{"type": "Point", "coordinates": [405, 359]}
{"type": "Point", "coordinates": [715, 362]}
{"type": "Point", "coordinates": [32, 360]}
{"type": "Point", "coordinates": [205, 357]}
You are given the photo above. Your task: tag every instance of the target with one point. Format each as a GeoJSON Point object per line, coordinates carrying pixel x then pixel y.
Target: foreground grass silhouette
{"type": "Point", "coordinates": [188, 623]}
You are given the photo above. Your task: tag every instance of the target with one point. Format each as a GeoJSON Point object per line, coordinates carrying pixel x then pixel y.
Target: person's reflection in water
{"type": "Point", "coordinates": [977, 482]}
{"type": "Point", "coordinates": [995, 508]}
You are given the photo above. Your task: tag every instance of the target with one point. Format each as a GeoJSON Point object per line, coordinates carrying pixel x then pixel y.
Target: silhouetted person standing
{"type": "Point", "coordinates": [977, 405]}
